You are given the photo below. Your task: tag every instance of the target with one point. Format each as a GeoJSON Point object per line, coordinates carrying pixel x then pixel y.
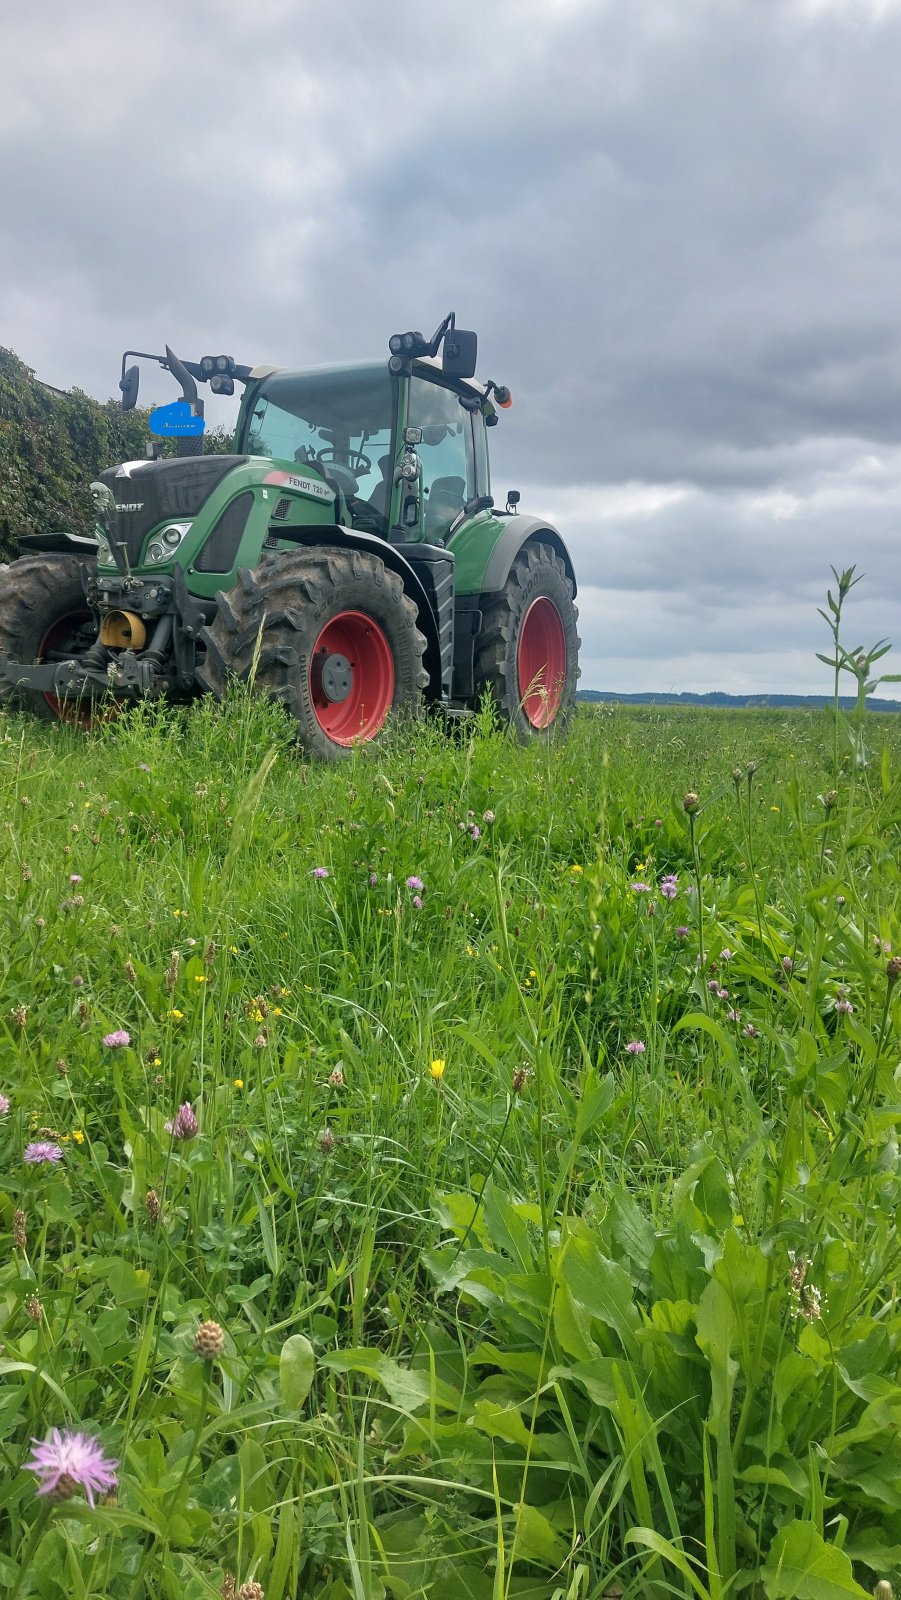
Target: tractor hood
{"type": "Point", "coordinates": [149, 492]}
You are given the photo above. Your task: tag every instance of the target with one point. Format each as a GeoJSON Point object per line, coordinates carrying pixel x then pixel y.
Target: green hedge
{"type": "Point", "coordinates": [51, 447]}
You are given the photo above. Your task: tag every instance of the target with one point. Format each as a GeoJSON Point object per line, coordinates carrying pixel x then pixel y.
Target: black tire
{"type": "Point", "coordinates": [293, 597]}
{"type": "Point", "coordinates": [540, 710]}
{"type": "Point", "coordinates": [44, 616]}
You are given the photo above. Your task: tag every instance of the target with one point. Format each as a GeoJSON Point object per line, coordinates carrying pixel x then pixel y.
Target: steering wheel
{"type": "Point", "coordinates": [354, 460]}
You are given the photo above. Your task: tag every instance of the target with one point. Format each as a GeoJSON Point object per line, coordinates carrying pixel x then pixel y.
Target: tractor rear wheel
{"type": "Point", "coordinates": [527, 652]}
{"type": "Point", "coordinates": [331, 634]}
{"type": "Point", "coordinates": [44, 616]}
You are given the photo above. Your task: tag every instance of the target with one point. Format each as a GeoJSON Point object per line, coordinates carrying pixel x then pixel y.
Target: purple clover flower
{"type": "Point", "coordinates": [682, 933]}
{"type": "Point", "coordinates": [415, 883]}
{"type": "Point", "coordinates": [74, 877]}
{"type": "Point", "coordinates": [640, 888]}
{"type": "Point", "coordinates": [733, 1015]}
{"type": "Point", "coordinates": [42, 1154]}
{"type": "Point", "coordinates": [843, 1007]}
{"type": "Point", "coordinates": [475, 831]}
{"type": "Point", "coordinates": [635, 1048]}
{"type": "Point", "coordinates": [727, 954]}
{"type": "Point", "coordinates": [184, 1124]}
{"type": "Point", "coordinates": [373, 879]}
{"type": "Point", "coordinates": [117, 1039]}
{"type": "Point", "coordinates": [417, 901]}
{"type": "Point", "coordinates": [143, 767]}
{"type": "Point", "coordinates": [669, 886]}
{"type": "Point", "coordinates": [750, 1032]}
{"type": "Point", "coordinates": [321, 872]}
{"type": "Point", "coordinates": [67, 1461]}
{"type": "Point", "coordinates": [487, 816]}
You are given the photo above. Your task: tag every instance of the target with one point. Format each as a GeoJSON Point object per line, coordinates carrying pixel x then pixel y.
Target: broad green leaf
{"type": "Point", "coordinates": [802, 1566]}
{"type": "Point", "coordinates": [602, 1288]}
{"type": "Point", "coordinates": [296, 1366]}
{"type": "Point", "coordinates": [536, 1539]}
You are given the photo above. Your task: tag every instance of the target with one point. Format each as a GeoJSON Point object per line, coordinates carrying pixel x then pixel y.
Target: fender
{"type": "Point", "coordinates": [353, 539]}
{"type": "Point", "coordinates": [516, 531]}
{"type": "Point", "coordinates": [59, 543]}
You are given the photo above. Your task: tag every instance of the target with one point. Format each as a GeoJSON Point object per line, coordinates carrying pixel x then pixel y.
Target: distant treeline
{"type": "Point", "coordinates": [52, 445]}
{"type": "Point", "coordinates": [809, 702]}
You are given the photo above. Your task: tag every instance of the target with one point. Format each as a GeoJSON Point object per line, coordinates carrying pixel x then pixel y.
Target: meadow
{"type": "Point", "coordinates": [464, 1172]}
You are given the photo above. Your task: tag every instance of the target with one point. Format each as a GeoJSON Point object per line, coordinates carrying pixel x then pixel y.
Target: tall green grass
{"type": "Point", "coordinates": [560, 1319]}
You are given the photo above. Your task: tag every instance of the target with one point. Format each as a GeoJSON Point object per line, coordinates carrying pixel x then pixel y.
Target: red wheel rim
{"type": "Point", "coordinates": [57, 640]}
{"type": "Point", "coordinates": [358, 642]}
{"type": "Point", "coordinates": [541, 662]}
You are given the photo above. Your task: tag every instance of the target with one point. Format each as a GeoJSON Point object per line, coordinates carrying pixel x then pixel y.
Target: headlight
{"type": "Point", "coordinates": [409, 467]}
{"type": "Point", "coordinates": [104, 554]}
{"type": "Point", "coordinates": [166, 543]}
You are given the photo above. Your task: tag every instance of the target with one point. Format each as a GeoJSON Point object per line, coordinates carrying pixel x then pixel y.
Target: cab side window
{"type": "Point", "coordinates": [446, 454]}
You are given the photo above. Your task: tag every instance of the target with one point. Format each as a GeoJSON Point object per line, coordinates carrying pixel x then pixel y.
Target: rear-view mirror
{"type": "Point", "coordinates": [460, 352]}
{"type": "Point", "coordinates": [129, 387]}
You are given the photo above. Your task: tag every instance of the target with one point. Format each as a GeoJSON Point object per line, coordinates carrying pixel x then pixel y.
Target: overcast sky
{"type": "Point", "coordinates": [675, 225]}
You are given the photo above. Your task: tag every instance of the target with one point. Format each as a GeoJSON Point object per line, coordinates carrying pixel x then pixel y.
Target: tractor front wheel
{"type": "Point", "coordinates": [329, 633]}
{"type": "Point", "coordinates": [528, 650]}
{"type": "Point", "coordinates": [44, 617]}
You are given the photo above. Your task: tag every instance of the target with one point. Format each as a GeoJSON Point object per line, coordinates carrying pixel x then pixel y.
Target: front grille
{"type": "Point", "coordinates": [162, 491]}
{"type": "Point", "coordinates": [281, 510]}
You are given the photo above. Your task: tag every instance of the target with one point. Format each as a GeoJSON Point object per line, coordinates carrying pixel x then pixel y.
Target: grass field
{"type": "Point", "coordinates": [540, 1170]}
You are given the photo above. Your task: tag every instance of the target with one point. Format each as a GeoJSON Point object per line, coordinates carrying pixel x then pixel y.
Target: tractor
{"type": "Point", "coordinates": [347, 559]}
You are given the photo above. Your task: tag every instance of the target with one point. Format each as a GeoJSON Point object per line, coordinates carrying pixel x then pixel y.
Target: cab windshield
{"type": "Point", "coordinates": [342, 419]}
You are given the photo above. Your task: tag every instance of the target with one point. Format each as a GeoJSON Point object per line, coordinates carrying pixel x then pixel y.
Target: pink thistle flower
{"type": "Point", "coordinates": [726, 955]}
{"type": "Point", "coordinates": [682, 933]}
{"type": "Point", "coordinates": [669, 886]}
{"type": "Point", "coordinates": [373, 879]}
{"type": "Point", "coordinates": [417, 901]}
{"type": "Point", "coordinates": [68, 1461]}
{"type": "Point", "coordinates": [184, 1124]}
{"type": "Point", "coordinates": [321, 872]}
{"type": "Point", "coordinates": [843, 1007]}
{"type": "Point", "coordinates": [4, 1105]}
{"type": "Point", "coordinates": [635, 1048]}
{"type": "Point", "coordinates": [74, 877]}
{"type": "Point", "coordinates": [787, 964]}
{"type": "Point", "coordinates": [117, 1039]}
{"type": "Point", "coordinates": [42, 1154]}
{"type": "Point", "coordinates": [475, 831]}
{"type": "Point", "coordinates": [415, 883]}
{"type": "Point", "coordinates": [640, 888]}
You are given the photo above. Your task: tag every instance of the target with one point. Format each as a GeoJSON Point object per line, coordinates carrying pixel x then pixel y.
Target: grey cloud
{"type": "Point", "coordinates": [675, 229]}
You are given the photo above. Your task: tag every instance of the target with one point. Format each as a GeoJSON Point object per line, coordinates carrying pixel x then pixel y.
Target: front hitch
{"type": "Point", "coordinates": [77, 680]}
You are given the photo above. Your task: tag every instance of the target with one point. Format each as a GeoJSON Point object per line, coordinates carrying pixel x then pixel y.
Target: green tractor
{"type": "Point", "coordinates": [348, 558]}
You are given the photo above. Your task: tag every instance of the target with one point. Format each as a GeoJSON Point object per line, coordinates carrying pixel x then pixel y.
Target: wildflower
{"type": "Point", "coordinates": [576, 870]}
{"type": "Point", "coordinates": [415, 883]}
{"type": "Point", "coordinates": [726, 955]}
{"type": "Point", "coordinates": [336, 1078]}
{"type": "Point", "coordinates": [20, 1238]}
{"type": "Point", "coordinates": [488, 816]}
{"type": "Point", "coordinates": [714, 986]}
{"type": "Point", "coordinates": [669, 886]}
{"type": "Point", "coordinates": [42, 1153]}
{"type": "Point", "coordinates": [373, 879]}
{"type": "Point", "coordinates": [321, 872]}
{"type": "Point", "coordinates": [175, 1014]}
{"type": "Point", "coordinates": [4, 1105]}
{"type": "Point", "coordinates": [153, 1207]}
{"type": "Point", "coordinates": [658, 822]}
{"type": "Point", "coordinates": [19, 1015]}
{"type": "Point", "coordinates": [518, 1081]}
{"type": "Point", "coordinates": [78, 1135]}
{"type": "Point", "coordinates": [117, 1039]}
{"type": "Point", "coordinates": [733, 1015]}
{"type": "Point", "coordinates": [475, 831]}
{"type": "Point", "coordinates": [201, 977]}
{"type": "Point", "coordinates": [68, 1461]}
{"type": "Point", "coordinates": [62, 1067]}
{"type": "Point", "coordinates": [893, 970]}
{"type": "Point", "coordinates": [209, 1341]}
{"type": "Point", "coordinates": [750, 1032]}
{"type": "Point", "coordinates": [74, 877]}
{"type": "Point", "coordinates": [436, 1068]}
{"type": "Point", "coordinates": [682, 933]}
{"type": "Point", "coordinates": [811, 1306]}
{"type": "Point", "coordinates": [259, 1042]}
{"type": "Point", "coordinates": [827, 800]}
{"type": "Point", "coordinates": [251, 1591]}
{"type": "Point", "coordinates": [237, 1083]}
{"type": "Point", "coordinates": [690, 803]}
{"type": "Point", "coordinates": [787, 964]}
{"type": "Point", "coordinates": [636, 1047]}
{"type": "Point", "coordinates": [326, 1140]}
{"type": "Point", "coordinates": [843, 1006]}
{"type": "Point", "coordinates": [33, 1308]}
{"type": "Point", "coordinates": [172, 971]}
{"type": "Point", "coordinates": [184, 1124]}
{"type": "Point", "coordinates": [640, 888]}
{"type": "Point", "coordinates": [417, 901]}
{"type": "Point", "coordinates": [143, 767]}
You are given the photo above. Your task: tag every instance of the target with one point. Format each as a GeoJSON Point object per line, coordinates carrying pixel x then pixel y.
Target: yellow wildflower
{"type": "Point", "coordinates": [436, 1068]}
{"type": "Point", "coordinates": [238, 1083]}
{"type": "Point", "coordinates": [576, 870]}
{"type": "Point", "coordinates": [78, 1135]}
{"type": "Point", "coordinates": [234, 949]}
{"type": "Point", "coordinates": [176, 1014]}
{"type": "Point", "coordinates": [200, 977]}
